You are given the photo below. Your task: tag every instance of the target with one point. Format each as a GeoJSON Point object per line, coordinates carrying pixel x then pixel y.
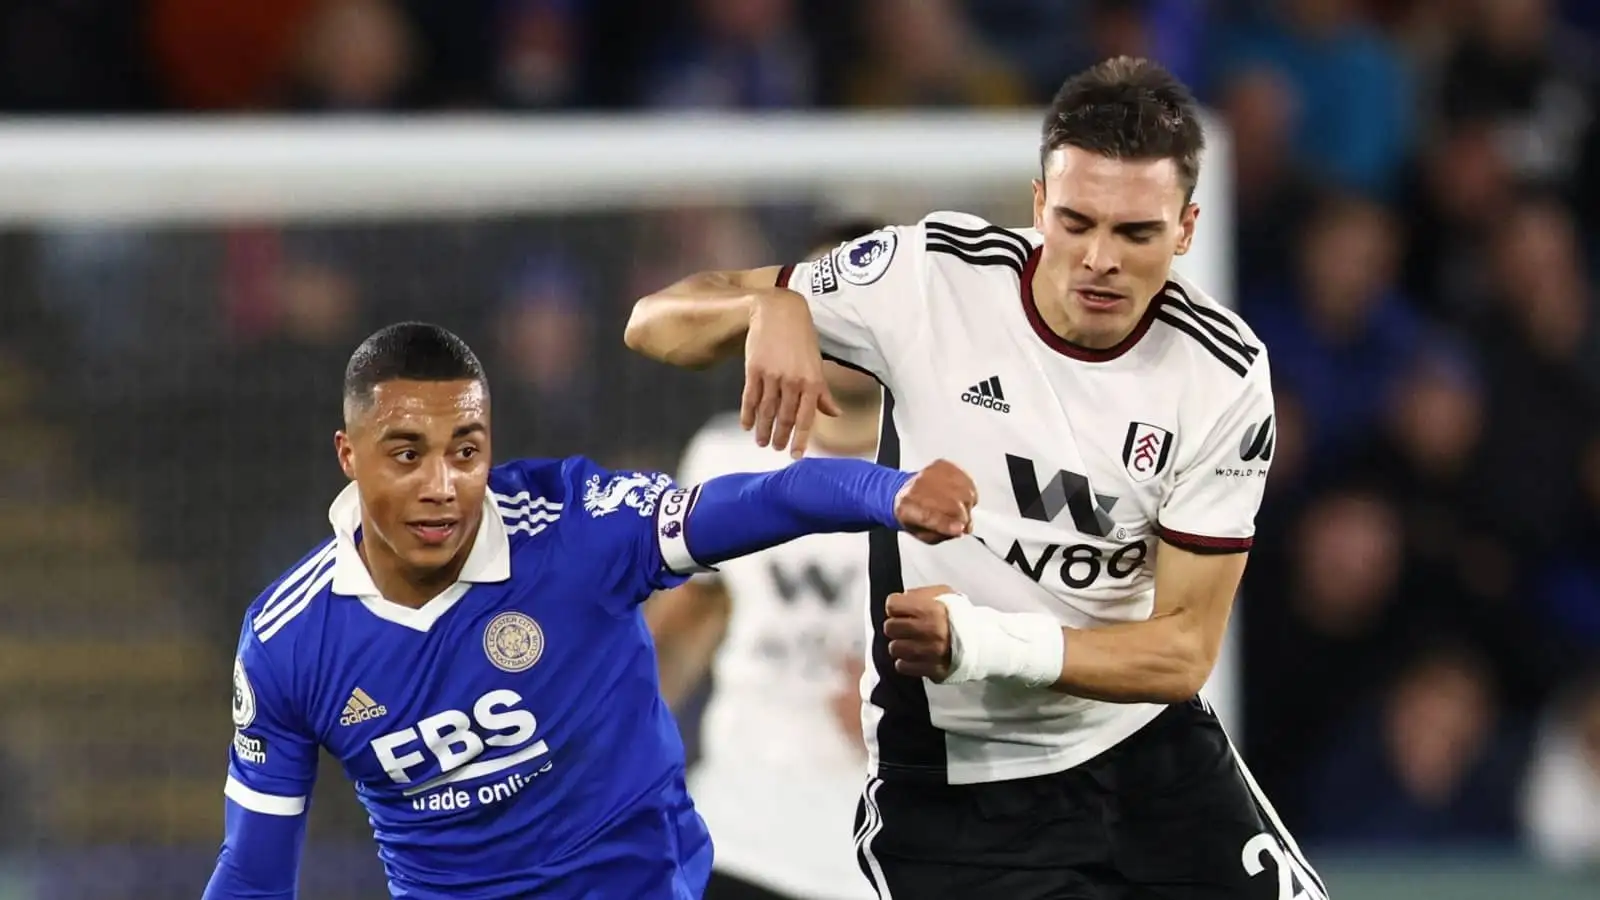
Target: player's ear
{"type": "Point", "coordinates": [1038, 204]}
{"type": "Point", "coordinates": [1186, 220]}
{"type": "Point", "coordinates": [345, 450]}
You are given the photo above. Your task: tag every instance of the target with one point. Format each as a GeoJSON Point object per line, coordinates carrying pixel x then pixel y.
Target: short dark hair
{"type": "Point", "coordinates": [409, 351]}
{"type": "Point", "coordinates": [1128, 108]}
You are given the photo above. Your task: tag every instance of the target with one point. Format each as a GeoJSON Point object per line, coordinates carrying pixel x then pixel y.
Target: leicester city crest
{"type": "Point", "coordinates": [513, 642]}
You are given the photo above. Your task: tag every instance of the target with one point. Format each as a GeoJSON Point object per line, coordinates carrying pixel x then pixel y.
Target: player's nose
{"type": "Point", "coordinates": [1099, 255]}
{"type": "Point", "coordinates": [438, 482]}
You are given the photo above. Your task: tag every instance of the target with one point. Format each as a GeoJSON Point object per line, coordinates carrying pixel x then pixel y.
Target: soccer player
{"type": "Point", "coordinates": [468, 644]}
{"type": "Point", "coordinates": [781, 757]}
{"type": "Point", "coordinates": [1033, 720]}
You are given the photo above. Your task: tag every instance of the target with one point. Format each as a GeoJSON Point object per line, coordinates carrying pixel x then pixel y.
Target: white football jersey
{"type": "Point", "coordinates": [778, 778]}
{"type": "Point", "coordinates": [1082, 458]}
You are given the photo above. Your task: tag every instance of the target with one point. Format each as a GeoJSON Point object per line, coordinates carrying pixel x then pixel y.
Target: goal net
{"type": "Point", "coordinates": [179, 300]}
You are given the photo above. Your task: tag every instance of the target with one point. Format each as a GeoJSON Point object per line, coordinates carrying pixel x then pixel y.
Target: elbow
{"type": "Point", "coordinates": [646, 335]}
{"type": "Point", "coordinates": [1192, 662]}
{"type": "Point", "coordinates": [1181, 687]}
{"type": "Point", "coordinates": [638, 335]}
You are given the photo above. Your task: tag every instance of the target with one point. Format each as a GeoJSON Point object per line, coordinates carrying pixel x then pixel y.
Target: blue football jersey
{"type": "Point", "coordinates": [508, 738]}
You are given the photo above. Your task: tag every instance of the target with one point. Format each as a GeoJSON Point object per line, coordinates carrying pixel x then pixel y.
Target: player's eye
{"type": "Point", "coordinates": [407, 456]}
{"type": "Point", "coordinates": [467, 452]}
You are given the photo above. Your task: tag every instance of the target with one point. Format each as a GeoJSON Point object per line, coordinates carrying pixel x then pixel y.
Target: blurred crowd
{"type": "Point", "coordinates": [1417, 190]}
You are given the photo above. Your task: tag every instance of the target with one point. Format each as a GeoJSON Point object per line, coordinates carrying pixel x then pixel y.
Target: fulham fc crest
{"type": "Point", "coordinates": [1145, 450]}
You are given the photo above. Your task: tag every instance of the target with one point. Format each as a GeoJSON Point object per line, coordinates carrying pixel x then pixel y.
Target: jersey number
{"type": "Point", "coordinates": [1294, 882]}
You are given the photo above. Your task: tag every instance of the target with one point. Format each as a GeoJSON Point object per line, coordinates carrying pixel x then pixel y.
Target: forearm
{"type": "Point", "coordinates": [1160, 660]}
{"type": "Point", "coordinates": [260, 857]}
{"type": "Point", "coordinates": [736, 515]}
{"type": "Point", "coordinates": [698, 321]}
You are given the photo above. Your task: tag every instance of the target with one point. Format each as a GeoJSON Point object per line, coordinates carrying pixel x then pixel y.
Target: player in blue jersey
{"type": "Point", "coordinates": [468, 644]}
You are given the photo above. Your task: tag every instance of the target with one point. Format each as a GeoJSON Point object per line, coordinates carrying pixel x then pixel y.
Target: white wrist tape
{"type": "Point", "coordinates": [987, 643]}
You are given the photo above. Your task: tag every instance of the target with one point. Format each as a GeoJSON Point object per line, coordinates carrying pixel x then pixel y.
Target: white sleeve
{"type": "Point", "coordinates": [864, 296]}
{"type": "Point", "coordinates": [1217, 488]}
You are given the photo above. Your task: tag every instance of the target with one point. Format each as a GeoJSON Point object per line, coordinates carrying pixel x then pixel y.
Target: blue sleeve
{"type": "Point", "coordinates": [736, 515]}
{"type": "Point", "coordinates": [260, 858]}
{"type": "Point", "coordinates": [669, 532]}
{"type": "Point", "coordinates": [272, 766]}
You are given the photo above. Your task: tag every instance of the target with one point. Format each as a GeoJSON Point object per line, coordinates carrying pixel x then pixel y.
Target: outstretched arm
{"type": "Point", "coordinates": [736, 515]}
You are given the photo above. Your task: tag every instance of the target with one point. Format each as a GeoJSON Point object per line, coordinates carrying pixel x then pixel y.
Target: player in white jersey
{"type": "Point", "coordinates": [781, 745]}
{"type": "Point", "coordinates": [1031, 710]}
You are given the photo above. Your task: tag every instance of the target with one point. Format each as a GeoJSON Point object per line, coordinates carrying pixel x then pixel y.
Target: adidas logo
{"type": "Point", "coordinates": [361, 708]}
{"type": "Point", "coordinates": [988, 395]}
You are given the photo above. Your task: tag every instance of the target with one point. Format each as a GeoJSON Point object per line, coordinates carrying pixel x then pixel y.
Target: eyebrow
{"type": "Point", "coordinates": [417, 437]}
{"type": "Point", "coordinates": [1141, 225]}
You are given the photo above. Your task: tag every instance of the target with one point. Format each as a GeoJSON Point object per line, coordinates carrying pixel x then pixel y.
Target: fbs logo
{"type": "Point", "coordinates": [361, 708]}
{"type": "Point", "coordinates": [1258, 441]}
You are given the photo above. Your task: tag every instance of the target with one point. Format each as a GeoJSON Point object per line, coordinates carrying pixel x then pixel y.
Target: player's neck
{"type": "Point", "coordinates": [1050, 299]}
{"type": "Point", "coordinates": [404, 585]}
{"type": "Point", "coordinates": [853, 434]}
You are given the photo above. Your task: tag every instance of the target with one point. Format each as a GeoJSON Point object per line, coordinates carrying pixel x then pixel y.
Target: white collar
{"type": "Point", "coordinates": [488, 561]}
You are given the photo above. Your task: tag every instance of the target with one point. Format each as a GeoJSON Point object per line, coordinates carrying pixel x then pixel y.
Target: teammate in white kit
{"type": "Point", "coordinates": [1040, 734]}
{"type": "Point", "coordinates": [782, 759]}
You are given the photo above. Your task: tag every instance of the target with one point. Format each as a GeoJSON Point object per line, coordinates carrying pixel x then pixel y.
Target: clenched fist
{"type": "Point", "coordinates": [918, 629]}
{"type": "Point", "coordinates": [936, 504]}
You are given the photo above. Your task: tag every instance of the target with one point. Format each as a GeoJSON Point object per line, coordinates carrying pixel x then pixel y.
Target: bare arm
{"type": "Point", "coordinates": [709, 317]}
{"type": "Point", "coordinates": [687, 623]}
{"type": "Point", "coordinates": [1168, 657]}
{"type": "Point", "coordinates": [939, 634]}
{"type": "Point", "coordinates": [701, 320]}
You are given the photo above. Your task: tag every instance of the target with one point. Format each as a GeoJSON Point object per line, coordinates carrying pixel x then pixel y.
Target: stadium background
{"type": "Point", "coordinates": [1415, 193]}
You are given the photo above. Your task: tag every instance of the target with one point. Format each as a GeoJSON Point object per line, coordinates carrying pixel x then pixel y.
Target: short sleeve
{"type": "Point", "coordinates": [632, 530]}
{"type": "Point", "coordinates": [272, 764]}
{"type": "Point", "coordinates": [1217, 491]}
{"type": "Point", "coordinates": [864, 296]}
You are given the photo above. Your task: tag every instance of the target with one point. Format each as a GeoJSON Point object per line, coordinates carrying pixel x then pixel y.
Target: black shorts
{"type": "Point", "coordinates": [726, 887]}
{"type": "Point", "coordinates": [1169, 814]}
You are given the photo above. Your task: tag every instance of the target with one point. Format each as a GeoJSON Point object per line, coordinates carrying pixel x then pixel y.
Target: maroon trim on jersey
{"type": "Point", "coordinates": [1204, 544]}
{"type": "Point", "coordinates": [1065, 347]}
{"type": "Point", "coordinates": [783, 275]}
